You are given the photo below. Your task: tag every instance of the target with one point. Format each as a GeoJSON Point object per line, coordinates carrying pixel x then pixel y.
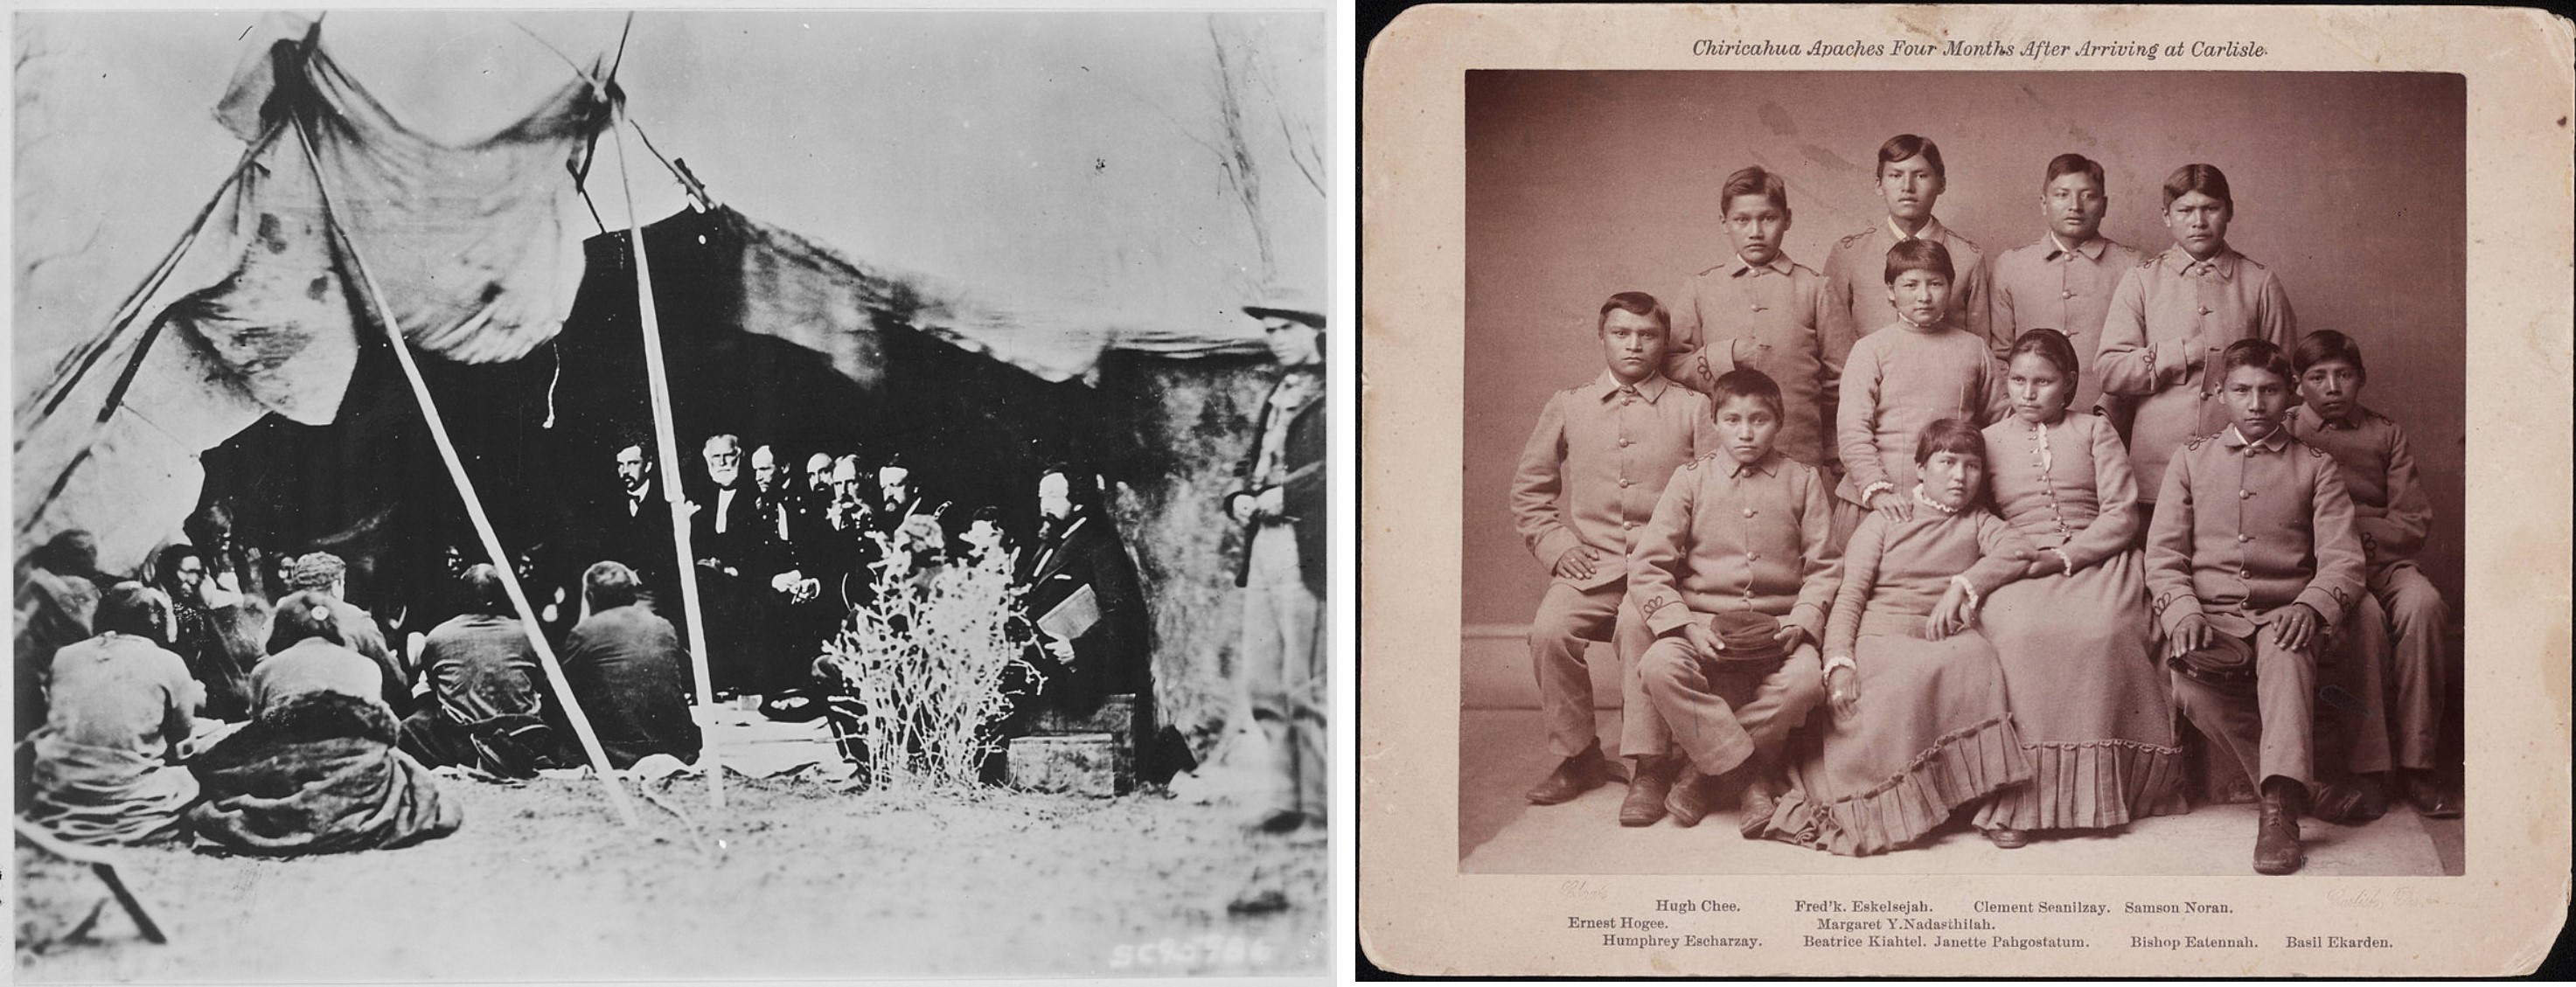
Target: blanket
{"type": "Point", "coordinates": [104, 795]}
{"type": "Point", "coordinates": [317, 773]}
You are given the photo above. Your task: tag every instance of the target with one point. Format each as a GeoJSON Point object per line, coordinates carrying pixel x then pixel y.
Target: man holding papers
{"type": "Point", "coordinates": [1082, 595]}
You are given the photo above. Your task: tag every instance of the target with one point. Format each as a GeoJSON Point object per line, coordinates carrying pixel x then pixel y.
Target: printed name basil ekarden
{"type": "Point", "coordinates": [1766, 48]}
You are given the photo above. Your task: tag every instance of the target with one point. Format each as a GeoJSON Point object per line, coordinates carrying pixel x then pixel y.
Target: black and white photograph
{"type": "Point", "coordinates": [1962, 491]}
{"type": "Point", "coordinates": [1963, 472]}
{"type": "Point", "coordinates": [657, 495]}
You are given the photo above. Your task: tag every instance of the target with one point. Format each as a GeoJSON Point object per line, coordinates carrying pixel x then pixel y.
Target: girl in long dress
{"type": "Point", "coordinates": [1920, 725]}
{"type": "Point", "coordinates": [2094, 710]}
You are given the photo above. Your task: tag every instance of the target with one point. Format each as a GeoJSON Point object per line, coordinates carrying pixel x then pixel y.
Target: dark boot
{"type": "Point", "coordinates": [1573, 777]}
{"type": "Point", "coordinates": [2348, 804]}
{"type": "Point", "coordinates": [2433, 800]}
{"type": "Point", "coordinates": [1648, 785]}
{"type": "Point", "coordinates": [2276, 836]}
{"type": "Point", "coordinates": [1693, 796]}
{"type": "Point", "coordinates": [1761, 798]}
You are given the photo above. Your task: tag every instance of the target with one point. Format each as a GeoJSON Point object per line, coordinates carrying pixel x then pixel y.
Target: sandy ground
{"type": "Point", "coordinates": [793, 879]}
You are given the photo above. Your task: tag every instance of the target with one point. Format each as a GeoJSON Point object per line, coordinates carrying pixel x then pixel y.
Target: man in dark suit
{"type": "Point", "coordinates": [1091, 627]}
{"type": "Point", "coordinates": [724, 530]}
{"type": "Point", "coordinates": [637, 530]}
{"type": "Point", "coordinates": [841, 547]}
{"type": "Point", "coordinates": [1281, 505]}
{"type": "Point", "coordinates": [782, 572]}
{"type": "Point", "coordinates": [628, 673]}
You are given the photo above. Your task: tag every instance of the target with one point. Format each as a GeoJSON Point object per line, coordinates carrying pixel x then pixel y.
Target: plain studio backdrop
{"type": "Point", "coordinates": [2350, 187]}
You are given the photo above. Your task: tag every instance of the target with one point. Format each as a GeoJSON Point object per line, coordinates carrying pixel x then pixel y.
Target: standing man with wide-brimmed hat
{"type": "Point", "coordinates": [1281, 506]}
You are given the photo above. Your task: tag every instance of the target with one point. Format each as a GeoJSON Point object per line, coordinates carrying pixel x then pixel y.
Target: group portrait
{"type": "Point", "coordinates": [2048, 472]}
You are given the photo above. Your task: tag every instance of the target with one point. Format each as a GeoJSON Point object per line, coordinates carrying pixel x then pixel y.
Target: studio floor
{"type": "Point", "coordinates": [1502, 752]}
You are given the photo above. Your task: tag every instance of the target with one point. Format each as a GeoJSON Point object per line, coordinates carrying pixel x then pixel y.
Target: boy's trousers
{"type": "Point", "coordinates": [2264, 724]}
{"type": "Point", "coordinates": [2395, 641]}
{"type": "Point", "coordinates": [1568, 620]}
{"type": "Point", "coordinates": [1723, 718]}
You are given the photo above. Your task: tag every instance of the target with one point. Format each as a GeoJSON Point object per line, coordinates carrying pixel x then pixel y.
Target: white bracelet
{"type": "Point", "coordinates": [2062, 557]}
{"type": "Point", "coordinates": [1841, 661]}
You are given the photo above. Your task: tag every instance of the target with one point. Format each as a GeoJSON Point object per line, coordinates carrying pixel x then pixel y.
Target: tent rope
{"type": "Point", "coordinates": [557, 347]}
{"type": "Point", "coordinates": [465, 490]}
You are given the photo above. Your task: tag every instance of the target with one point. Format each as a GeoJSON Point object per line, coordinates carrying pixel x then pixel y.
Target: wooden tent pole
{"type": "Point", "coordinates": [666, 436]}
{"type": "Point", "coordinates": [465, 490]}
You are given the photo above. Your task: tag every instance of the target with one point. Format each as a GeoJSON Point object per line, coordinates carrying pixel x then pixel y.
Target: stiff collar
{"type": "Point", "coordinates": [1768, 465]}
{"type": "Point", "coordinates": [2091, 249]}
{"type": "Point", "coordinates": [2308, 420]}
{"type": "Point", "coordinates": [1607, 385]}
{"type": "Point", "coordinates": [2270, 443]}
{"type": "Point", "coordinates": [1932, 230]}
{"type": "Point", "coordinates": [2223, 265]}
{"type": "Point", "coordinates": [1779, 265]}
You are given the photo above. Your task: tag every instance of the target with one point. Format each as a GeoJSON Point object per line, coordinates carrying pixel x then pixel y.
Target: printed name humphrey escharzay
{"type": "Point", "coordinates": [2149, 51]}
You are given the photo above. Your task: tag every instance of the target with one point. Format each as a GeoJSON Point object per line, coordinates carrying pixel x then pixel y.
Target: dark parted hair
{"type": "Point", "coordinates": [1755, 180]}
{"type": "Point", "coordinates": [1746, 382]}
{"type": "Point", "coordinates": [2051, 345]}
{"type": "Point", "coordinates": [2072, 163]}
{"type": "Point", "coordinates": [73, 552]}
{"type": "Point", "coordinates": [2324, 345]}
{"type": "Point", "coordinates": [2205, 179]}
{"type": "Point", "coordinates": [608, 585]}
{"type": "Point", "coordinates": [484, 591]}
{"type": "Point", "coordinates": [208, 526]}
{"type": "Point", "coordinates": [1920, 255]}
{"type": "Point", "coordinates": [165, 563]}
{"type": "Point", "coordinates": [304, 614]}
{"type": "Point", "coordinates": [1903, 146]}
{"type": "Point", "coordinates": [130, 607]}
{"type": "Point", "coordinates": [2257, 353]}
{"type": "Point", "coordinates": [1634, 303]}
{"type": "Point", "coordinates": [1949, 435]}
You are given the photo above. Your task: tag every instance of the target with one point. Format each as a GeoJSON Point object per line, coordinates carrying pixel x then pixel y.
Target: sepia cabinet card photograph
{"type": "Point", "coordinates": [669, 494]}
{"type": "Point", "coordinates": [1964, 490]}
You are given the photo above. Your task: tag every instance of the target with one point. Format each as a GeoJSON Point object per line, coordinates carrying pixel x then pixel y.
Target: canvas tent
{"type": "Point", "coordinates": [252, 372]}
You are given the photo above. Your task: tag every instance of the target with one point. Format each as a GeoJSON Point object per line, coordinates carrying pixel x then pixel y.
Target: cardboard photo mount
{"type": "Point", "coordinates": [1419, 914]}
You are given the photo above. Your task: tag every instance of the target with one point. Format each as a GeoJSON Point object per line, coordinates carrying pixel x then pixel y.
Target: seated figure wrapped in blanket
{"type": "Point", "coordinates": [118, 702]}
{"type": "Point", "coordinates": [316, 770]}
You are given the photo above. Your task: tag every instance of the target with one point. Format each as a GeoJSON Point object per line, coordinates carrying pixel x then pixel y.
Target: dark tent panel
{"type": "Point", "coordinates": [1165, 432]}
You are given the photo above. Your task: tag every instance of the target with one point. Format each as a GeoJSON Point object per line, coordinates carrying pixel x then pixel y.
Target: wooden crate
{"type": "Point", "coordinates": [1116, 715]}
{"type": "Point", "coordinates": [1094, 764]}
